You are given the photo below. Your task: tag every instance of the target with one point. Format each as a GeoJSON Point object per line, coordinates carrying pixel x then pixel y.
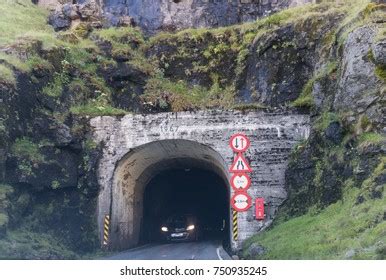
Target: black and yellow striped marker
{"type": "Point", "coordinates": [235, 226]}
{"type": "Point", "coordinates": [106, 230]}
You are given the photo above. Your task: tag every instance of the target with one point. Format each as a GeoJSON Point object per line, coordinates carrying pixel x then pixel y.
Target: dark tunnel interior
{"type": "Point", "coordinates": [198, 195]}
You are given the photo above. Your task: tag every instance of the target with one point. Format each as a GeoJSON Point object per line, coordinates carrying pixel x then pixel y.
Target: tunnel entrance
{"type": "Point", "coordinates": [156, 180]}
{"type": "Point", "coordinates": [197, 193]}
{"type": "Point", "coordinates": [136, 148]}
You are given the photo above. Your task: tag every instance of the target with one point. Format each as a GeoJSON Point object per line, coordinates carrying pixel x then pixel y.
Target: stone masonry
{"type": "Point", "coordinates": [273, 135]}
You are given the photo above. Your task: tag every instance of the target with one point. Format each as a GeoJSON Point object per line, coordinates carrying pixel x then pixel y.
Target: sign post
{"type": "Point", "coordinates": [240, 180]}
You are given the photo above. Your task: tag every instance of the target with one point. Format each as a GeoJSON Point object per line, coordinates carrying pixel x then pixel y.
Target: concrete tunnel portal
{"type": "Point", "coordinates": [156, 165]}
{"type": "Point", "coordinates": [163, 178]}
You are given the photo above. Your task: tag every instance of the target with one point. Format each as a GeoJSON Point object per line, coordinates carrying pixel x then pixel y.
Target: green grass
{"type": "Point", "coordinates": [380, 71]}
{"type": "Point", "coordinates": [124, 40]}
{"type": "Point", "coordinates": [371, 138]}
{"type": "Point", "coordinates": [25, 148]}
{"type": "Point", "coordinates": [361, 12]}
{"type": "Point", "coordinates": [4, 190]}
{"type": "Point", "coordinates": [305, 98]}
{"type": "Point", "coordinates": [22, 19]}
{"type": "Point", "coordinates": [121, 35]}
{"type": "Point", "coordinates": [97, 110]}
{"type": "Point", "coordinates": [236, 40]}
{"type": "Point", "coordinates": [26, 244]}
{"type": "Point", "coordinates": [55, 88]}
{"type": "Point", "coordinates": [6, 75]}
{"type": "Point", "coordinates": [14, 61]}
{"type": "Point", "coordinates": [36, 62]}
{"type": "Point", "coordinates": [3, 219]}
{"type": "Point", "coordinates": [325, 120]}
{"type": "Point", "coordinates": [332, 232]}
{"type": "Point", "coordinates": [179, 96]}
{"type": "Point", "coordinates": [381, 35]}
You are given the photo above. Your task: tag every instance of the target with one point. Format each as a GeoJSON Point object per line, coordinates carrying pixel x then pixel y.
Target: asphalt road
{"type": "Point", "coordinates": [204, 250]}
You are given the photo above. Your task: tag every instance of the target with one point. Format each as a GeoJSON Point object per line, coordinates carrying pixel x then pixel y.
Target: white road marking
{"type": "Point", "coordinates": [218, 253]}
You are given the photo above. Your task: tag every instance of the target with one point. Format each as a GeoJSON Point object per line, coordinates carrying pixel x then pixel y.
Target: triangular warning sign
{"type": "Point", "coordinates": [240, 165]}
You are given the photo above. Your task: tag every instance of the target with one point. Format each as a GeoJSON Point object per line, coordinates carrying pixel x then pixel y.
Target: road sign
{"type": "Point", "coordinates": [240, 182]}
{"type": "Point", "coordinates": [240, 165]}
{"type": "Point", "coordinates": [241, 202]}
{"type": "Point", "coordinates": [239, 143]}
{"type": "Point", "coordinates": [259, 204]}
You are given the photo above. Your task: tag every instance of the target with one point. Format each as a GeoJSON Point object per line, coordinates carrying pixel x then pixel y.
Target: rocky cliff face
{"type": "Point", "coordinates": [168, 15]}
{"type": "Point", "coordinates": [348, 140]}
{"type": "Point", "coordinates": [327, 60]}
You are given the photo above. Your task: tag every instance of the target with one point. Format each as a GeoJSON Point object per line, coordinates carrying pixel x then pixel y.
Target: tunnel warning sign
{"type": "Point", "coordinates": [239, 143]}
{"type": "Point", "coordinates": [240, 182]}
{"type": "Point", "coordinates": [241, 202]}
{"type": "Point", "coordinates": [240, 165]}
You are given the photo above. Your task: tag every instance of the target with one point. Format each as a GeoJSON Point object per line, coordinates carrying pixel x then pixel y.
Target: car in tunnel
{"type": "Point", "coordinates": [180, 227]}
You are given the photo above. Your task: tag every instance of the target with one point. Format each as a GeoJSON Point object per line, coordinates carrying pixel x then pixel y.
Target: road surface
{"type": "Point", "coordinates": [204, 250]}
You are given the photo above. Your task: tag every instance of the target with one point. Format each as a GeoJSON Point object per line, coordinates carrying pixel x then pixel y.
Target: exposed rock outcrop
{"type": "Point", "coordinates": [358, 88]}
{"type": "Point", "coordinates": [169, 15]}
{"type": "Point", "coordinates": [48, 95]}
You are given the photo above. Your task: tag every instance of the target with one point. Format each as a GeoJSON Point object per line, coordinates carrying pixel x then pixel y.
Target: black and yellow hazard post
{"type": "Point", "coordinates": [235, 226]}
{"type": "Point", "coordinates": [106, 230]}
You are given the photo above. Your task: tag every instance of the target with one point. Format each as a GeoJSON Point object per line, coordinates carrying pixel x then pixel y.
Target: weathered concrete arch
{"type": "Point", "coordinates": [204, 135]}
{"type": "Point", "coordinates": [135, 170]}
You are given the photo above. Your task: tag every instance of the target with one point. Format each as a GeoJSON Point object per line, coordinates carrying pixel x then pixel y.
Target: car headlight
{"type": "Point", "coordinates": [164, 229]}
{"type": "Point", "coordinates": [190, 227]}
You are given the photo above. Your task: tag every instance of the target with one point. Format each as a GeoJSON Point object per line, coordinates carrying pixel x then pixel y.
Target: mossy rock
{"type": "Point", "coordinates": [3, 224]}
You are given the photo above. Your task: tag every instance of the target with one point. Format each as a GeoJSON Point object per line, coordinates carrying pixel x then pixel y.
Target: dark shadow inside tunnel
{"type": "Point", "coordinates": [196, 195]}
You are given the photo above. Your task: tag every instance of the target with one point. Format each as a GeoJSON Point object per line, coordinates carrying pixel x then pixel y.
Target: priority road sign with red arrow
{"type": "Point", "coordinates": [240, 182]}
{"type": "Point", "coordinates": [241, 201]}
{"type": "Point", "coordinates": [239, 143]}
{"type": "Point", "coordinates": [240, 165]}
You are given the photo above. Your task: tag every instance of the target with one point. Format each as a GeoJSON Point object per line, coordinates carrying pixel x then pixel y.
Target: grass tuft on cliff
{"type": "Point", "coordinates": [22, 19]}
{"type": "Point", "coordinates": [6, 75]}
{"type": "Point", "coordinates": [25, 244]}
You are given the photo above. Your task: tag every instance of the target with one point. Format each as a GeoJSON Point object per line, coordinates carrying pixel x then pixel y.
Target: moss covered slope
{"type": "Point", "coordinates": [52, 83]}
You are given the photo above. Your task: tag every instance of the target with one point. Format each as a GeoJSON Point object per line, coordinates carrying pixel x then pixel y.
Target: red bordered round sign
{"type": "Point", "coordinates": [239, 143]}
{"type": "Point", "coordinates": [240, 182]}
{"type": "Point", "coordinates": [241, 201]}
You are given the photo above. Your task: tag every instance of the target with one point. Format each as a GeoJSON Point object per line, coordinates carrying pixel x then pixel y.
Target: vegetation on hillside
{"type": "Point", "coordinates": [212, 53]}
{"type": "Point", "coordinates": [66, 77]}
{"type": "Point", "coordinates": [22, 19]}
{"type": "Point", "coordinates": [352, 228]}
